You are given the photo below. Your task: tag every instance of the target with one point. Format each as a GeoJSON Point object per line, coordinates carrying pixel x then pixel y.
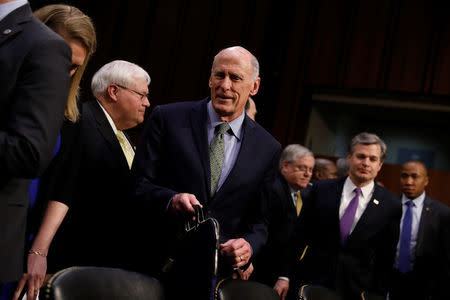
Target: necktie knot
{"type": "Point", "coordinates": [126, 147]}
{"type": "Point", "coordinates": [409, 203]}
{"type": "Point", "coordinates": [357, 192]}
{"type": "Point", "coordinates": [222, 128]}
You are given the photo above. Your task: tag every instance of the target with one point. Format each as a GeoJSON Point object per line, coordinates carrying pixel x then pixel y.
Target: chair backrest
{"type": "Point", "coordinates": [369, 296]}
{"type": "Point", "coordinates": [98, 283]}
{"type": "Point", "coordinates": [236, 289]}
{"type": "Point", "coordinates": [317, 292]}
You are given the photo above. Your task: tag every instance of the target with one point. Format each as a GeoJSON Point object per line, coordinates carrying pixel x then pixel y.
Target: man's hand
{"type": "Point", "coordinates": [236, 251]}
{"type": "Point", "coordinates": [244, 275]}
{"type": "Point", "coordinates": [183, 204]}
{"type": "Point", "coordinates": [281, 287]}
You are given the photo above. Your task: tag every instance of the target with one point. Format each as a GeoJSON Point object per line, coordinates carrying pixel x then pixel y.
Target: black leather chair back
{"type": "Point", "coordinates": [317, 292]}
{"type": "Point", "coordinates": [236, 289]}
{"type": "Point", "coordinates": [86, 283]}
{"type": "Point", "coordinates": [369, 296]}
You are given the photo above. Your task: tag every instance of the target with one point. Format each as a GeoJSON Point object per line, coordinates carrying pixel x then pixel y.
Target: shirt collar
{"type": "Point", "coordinates": [7, 8]}
{"type": "Point", "coordinates": [236, 124]}
{"type": "Point", "coordinates": [416, 201]}
{"type": "Point", "coordinates": [349, 187]}
{"type": "Point", "coordinates": [110, 120]}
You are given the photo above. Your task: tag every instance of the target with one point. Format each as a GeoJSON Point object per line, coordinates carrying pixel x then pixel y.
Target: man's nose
{"type": "Point", "coordinates": [225, 83]}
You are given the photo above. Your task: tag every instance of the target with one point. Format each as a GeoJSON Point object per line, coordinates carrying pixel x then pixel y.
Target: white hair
{"type": "Point", "coordinates": [119, 72]}
{"type": "Point", "coordinates": [292, 152]}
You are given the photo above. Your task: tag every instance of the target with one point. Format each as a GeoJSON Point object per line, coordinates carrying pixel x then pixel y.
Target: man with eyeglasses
{"type": "Point", "coordinates": [285, 204]}
{"type": "Point", "coordinates": [98, 227]}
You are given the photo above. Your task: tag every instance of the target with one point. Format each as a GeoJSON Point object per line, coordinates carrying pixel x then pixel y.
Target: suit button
{"type": "Point", "coordinates": [7, 31]}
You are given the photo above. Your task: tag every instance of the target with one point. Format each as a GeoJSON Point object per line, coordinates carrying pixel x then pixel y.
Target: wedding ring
{"type": "Point", "coordinates": [241, 258]}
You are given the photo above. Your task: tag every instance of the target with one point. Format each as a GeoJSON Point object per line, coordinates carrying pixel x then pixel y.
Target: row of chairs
{"type": "Point", "coordinates": [98, 283]}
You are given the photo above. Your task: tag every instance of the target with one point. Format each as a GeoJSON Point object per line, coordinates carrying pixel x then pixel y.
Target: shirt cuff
{"type": "Point", "coordinates": [283, 278]}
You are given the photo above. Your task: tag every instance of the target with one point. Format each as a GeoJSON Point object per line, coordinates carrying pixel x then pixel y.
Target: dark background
{"type": "Point", "coordinates": [394, 47]}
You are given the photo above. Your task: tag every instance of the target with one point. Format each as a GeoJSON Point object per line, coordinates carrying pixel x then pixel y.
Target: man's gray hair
{"type": "Point", "coordinates": [293, 152]}
{"type": "Point", "coordinates": [253, 60]}
{"type": "Point", "coordinates": [119, 72]}
{"type": "Point", "coordinates": [366, 138]}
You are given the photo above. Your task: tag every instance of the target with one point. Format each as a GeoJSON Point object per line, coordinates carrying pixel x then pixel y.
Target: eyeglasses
{"type": "Point", "coordinates": [141, 96]}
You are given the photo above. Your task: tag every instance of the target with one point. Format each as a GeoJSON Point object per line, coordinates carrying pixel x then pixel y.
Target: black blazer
{"type": "Point", "coordinates": [34, 82]}
{"type": "Point", "coordinates": [173, 157]}
{"type": "Point", "coordinates": [430, 276]}
{"type": "Point", "coordinates": [282, 216]}
{"type": "Point", "coordinates": [365, 260]}
{"type": "Point", "coordinates": [97, 227]}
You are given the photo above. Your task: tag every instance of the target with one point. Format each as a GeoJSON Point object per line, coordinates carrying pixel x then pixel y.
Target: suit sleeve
{"type": "Point", "coordinates": [258, 228]}
{"type": "Point", "coordinates": [149, 164]}
{"type": "Point", "coordinates": [39, 99]}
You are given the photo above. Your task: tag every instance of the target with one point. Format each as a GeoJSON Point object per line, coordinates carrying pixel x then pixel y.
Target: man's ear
{"type": "Point", "coordinates": [112, 91]}
{"type": "Point", "coordinates": [255, 87]}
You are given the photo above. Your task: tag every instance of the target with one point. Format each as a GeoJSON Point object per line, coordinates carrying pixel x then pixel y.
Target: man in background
{"type": "Point", "coordinates": [34, 83]}
{"type": "Point", "coordinates": [285, 204]}
{"type": "Point", "coordinates": [349, 227]}
{"type": "Point", "coordinates": [324, 169]}
{"type": "Point", "coordinates": [422, 265]}
{"type": "Point", "coordinates": [250, 108]}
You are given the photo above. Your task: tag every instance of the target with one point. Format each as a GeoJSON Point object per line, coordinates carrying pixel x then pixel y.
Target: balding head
{"type": "Point", "coordinates": [234, 78]}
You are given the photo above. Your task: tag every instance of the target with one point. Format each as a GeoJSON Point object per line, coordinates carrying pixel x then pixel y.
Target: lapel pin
{"type": "Point", "coordinates": [376, 201]}
{"type": "Point", "coordinates": [427, 208]}
{"type": "Point", "coordinates": [7, 31]}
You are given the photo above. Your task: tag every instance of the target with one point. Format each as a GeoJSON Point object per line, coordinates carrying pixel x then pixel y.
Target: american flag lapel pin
{"type": "Point", "coordinates": [376, 201]}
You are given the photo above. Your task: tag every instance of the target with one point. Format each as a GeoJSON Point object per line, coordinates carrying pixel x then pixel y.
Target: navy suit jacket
{"type": "Point", "coordinates": [93, 178]}
{"type": "Point", "coordinates": [364, 261]}
{"type": "Point", "coordinates": [430, 275]}
{"type": "Point", "coordinates": [173, 157]}
{"type": "Point", "coordinates": [34, 82]}
{"type": "Point", "coordinates": [282, 216]}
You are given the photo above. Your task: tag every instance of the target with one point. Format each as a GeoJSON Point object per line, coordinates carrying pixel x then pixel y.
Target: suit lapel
{"type": "Point", "coordinates": [107, 132]}
{"type": "Point", "coordinates": [11, 24]}
{"type": "Point", "coordinates": [425, 219]}
{"type": "Point", "coordinates": [198, 118]}
{"type": "Point", "coordinates": [369, 217]}
{"type": "Point", "coordinates": [241, 165]}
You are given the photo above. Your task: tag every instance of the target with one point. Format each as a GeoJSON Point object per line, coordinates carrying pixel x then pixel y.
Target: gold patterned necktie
{"type": "Point", "coordinates": [126, 147]}
{"type": "Point", "coordinates": [298, 202]}
{"type": "Point", "coordinates": [216, 153]}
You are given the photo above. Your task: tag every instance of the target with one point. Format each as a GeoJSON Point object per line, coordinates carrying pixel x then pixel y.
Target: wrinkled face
{"type": "Point", "coordinates": [78, 55]}
{"type": "Point", "coordinates": [365, 162]}
{"type": "Point", "coordinates": [231, 83]}
{"type": "Point", "coordinates": [413, 179]}
{"type": "Point", "coordinates": [131, 104]}
{"type": "Point", "coordinates": [298, 172]}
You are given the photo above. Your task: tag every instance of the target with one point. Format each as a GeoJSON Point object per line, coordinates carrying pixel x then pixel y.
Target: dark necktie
{"type": "Point", "coordinates": [216, 153]}
{"type": "Point", "coordinates": [349, 216]}
{"type": "Point", "coordinates": [404, 254]}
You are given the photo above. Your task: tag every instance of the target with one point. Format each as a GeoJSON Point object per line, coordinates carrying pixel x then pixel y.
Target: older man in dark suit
{"type": "Point", "coordinates": [179, 163]}
{"type": "Point", "coordinates": [349, 226]}
{"type": "Point", "coordinates": [422, 265]}
{"type": "Point", "coordinates": [34, 82]}
{"type": "Point", "coordinates": [284, 205]}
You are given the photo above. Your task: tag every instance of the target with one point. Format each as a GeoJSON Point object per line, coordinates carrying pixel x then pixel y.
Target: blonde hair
{"type": "Point", "coordinates": [71, 23]}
